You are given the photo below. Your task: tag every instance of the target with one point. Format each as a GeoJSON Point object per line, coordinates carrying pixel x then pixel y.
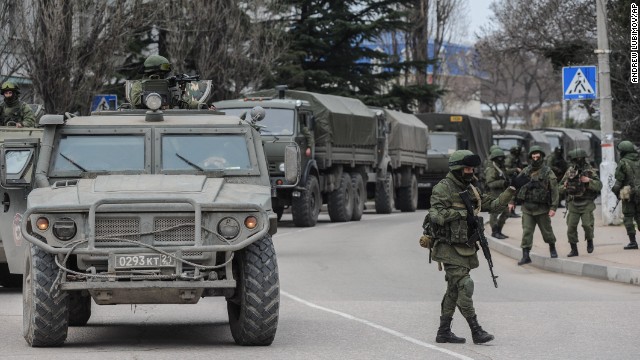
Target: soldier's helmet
{"type": "Point", "coordinates": [493, 147]}
{"type": "Point", "coordinates": [576, 154]}
{"type": "Point", "coordinates": [496, 153]}
{"type": "Point", "coordinates": [9, 86]}
{"type": "Point", "coordinates": [625, 146]}
{"type": "Point", "coordinates": [156, 64]}
{"type": "Point", "coordinates": [514, 150]}
{"type": "Point", "coordinates": [537, 148]}
{"type": "Point", "coordinates": [463, 158]}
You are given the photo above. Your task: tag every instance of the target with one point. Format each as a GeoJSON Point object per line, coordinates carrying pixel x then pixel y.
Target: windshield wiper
{"type": "Point", "coordinates": [189, 162]}
{"type": "Point", "coordinates": [73, 162]}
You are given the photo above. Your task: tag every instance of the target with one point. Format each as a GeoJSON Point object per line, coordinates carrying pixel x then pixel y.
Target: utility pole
{"type": "Point", "coordinates": [608, 164]}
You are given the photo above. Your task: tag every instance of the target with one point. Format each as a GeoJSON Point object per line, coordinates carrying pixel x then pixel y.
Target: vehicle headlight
{"type": "Point", "coordinates": [64, 229]}
{"type": "Point", "coordinates": [281, 167]}
{"type": "Point", "coordinates": [229, 228]}
{"type": "Point", "coordinates": [153, 101]}
{"type": "Point", "coordinates": [251, 222]}
{"type": "Point", "coordinates": [42, 223]}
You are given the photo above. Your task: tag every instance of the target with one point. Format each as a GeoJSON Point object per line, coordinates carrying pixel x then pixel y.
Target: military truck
{"type": "Point", "coordinates": [524, 139]}
{"type": "Point", "coordinates": [567, 139]}
{"type": "Point", "coordinates": [448, 133]}
{"type": "Point", "coordinates": [350, 153]}
{"type": "Point", "coordinates": [142, 207]}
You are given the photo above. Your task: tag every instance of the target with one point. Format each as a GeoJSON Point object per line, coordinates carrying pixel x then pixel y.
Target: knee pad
{"type": "Point", "coordinates": [466, 286]}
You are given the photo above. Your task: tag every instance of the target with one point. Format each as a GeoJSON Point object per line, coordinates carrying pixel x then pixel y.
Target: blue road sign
{"type": "Point", "coordinates": [104, 102]}
{"type": "Point", "coordinates": [579, 82]}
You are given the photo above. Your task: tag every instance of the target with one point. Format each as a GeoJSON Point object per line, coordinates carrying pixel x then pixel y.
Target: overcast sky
{"type": "Point", "coordinates": [478, 15]}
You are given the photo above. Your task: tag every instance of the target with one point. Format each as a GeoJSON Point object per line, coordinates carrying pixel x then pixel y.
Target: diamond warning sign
{"type": "Point", "coordinates": [579, 82]}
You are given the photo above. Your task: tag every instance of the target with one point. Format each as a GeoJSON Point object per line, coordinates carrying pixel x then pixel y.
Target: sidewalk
{"type": "Point", "coordinates": [608, 261]}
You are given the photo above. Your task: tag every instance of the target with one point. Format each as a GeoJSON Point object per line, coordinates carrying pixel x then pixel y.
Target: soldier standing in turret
{"type": "Point", "coordinates": [449, 218]}
{"type": "Point", "coordinates": [14, 112]}
{"type": "Point", "coordinates": [497, 181]}
{"type": "Point", "coordinates": [582, 186]}
{"type": "Point", "coordinates": [539, 203]}
{"type": "Point", "coordinates": [627, 189]}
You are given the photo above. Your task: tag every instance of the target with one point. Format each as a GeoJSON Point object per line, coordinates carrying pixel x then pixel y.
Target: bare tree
{"type": "Point", "coordinates": [72, 47]}
{"type": "Point", "coordinates": [232, 43]}
{"type": "Point", "coordinates": [11, 63]}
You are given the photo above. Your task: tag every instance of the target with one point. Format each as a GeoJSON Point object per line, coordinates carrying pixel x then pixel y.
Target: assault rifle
{"type": "Point", "coordinates": [476, 227]}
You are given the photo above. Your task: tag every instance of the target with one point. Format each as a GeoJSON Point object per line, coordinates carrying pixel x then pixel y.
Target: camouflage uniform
{"type": "Point", "coordinates": [497, 181]}
{"type": "Point", "coordinates": [12, 109]}
{"type": "Point", "coordinates": [580, 199]}
{"type": "Point", "coordinates": [627, 170]}
{"type": "Point", "coordinates": [448, 216]}
{"type": "Point", "coordinates": [512, 162]}
{"type": "Point", "coordinates": [539, 196]}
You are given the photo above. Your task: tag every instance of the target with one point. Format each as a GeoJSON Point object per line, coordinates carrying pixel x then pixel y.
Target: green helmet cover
{"type": "Point", "coordinates": [157, 63]}
{"type": "Point", "coordinates": [624, 146]}
{"type": "Point", "coordinates": [536, 148]}
{"type": "Point", "coordinates": [496, 153]}
{"type": "Point", "coordinates": [577, 154]}
{"type": "Point", "coordinates": [9, 86]}
{"type": "Point", "coordinates": [493, 147]}
{"type": "Point", "coordinates": [463, 158]}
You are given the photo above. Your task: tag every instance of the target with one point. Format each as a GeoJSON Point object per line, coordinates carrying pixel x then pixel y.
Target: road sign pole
{"type": "Point", "coordinates": [608, 164]}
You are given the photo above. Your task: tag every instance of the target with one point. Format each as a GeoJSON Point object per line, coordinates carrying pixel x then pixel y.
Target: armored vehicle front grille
{"type": "Point", "coordinates": [182, 230]}
{"type": "Point", "coordinates": [108, 230]}
{"type": "Point", "coordinates": [273, 167]}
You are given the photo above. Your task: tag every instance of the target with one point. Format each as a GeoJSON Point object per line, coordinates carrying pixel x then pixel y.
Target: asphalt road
{"type": "Point", "coordinates": [364, 290]}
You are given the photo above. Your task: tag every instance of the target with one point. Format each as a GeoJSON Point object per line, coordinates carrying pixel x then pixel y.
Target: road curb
{"type": "Point", "coordinates": [571, 267]}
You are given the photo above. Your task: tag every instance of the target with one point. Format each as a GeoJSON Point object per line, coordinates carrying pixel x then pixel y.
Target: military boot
{"type": "Point", "coordinates": [525, 257]}
{"type": "Point", "coordinates": [632, 245]}
{"type": "Point", "coordinates": [479, 336]}
{"type": "Point", "coordinates": [495, 232]}
{"type": "Point", "coordinates": [500, 232]}
{"type": "Point", "coordinates": [589, 246]}
{"type": "Point", "coordinates": [552, 251]}
{"type": "Point", "coordinates": [444, 332]}
{"type": "Point", "coordinates": [574, 250]}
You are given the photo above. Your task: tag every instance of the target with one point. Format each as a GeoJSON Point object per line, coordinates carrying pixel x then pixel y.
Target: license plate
{"type": "Point", "coordinates": [143, 261]}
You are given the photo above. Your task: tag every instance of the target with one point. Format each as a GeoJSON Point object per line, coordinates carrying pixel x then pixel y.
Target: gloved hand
{"type": "Point", "coordinates": [520, 181]}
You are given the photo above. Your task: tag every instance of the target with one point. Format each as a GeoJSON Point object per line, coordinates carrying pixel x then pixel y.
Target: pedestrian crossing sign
{"type": "Point", "coordinates": [579, 82]}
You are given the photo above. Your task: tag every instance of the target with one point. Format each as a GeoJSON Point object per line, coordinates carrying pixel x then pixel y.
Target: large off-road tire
{"type": "Point", "coordinates": [9, 280]}
{"type": "Point", "coordinates": [384, 195]}
{"type": "Point", "coordinates": [340, 203]}
{"type": "Point", "coordinates": [306, 207]}
{"type": "Point", "coordinates": [253, 309]}
{"type": "Point", "coordinates": [408, 196]}
{"type": "Point", "coordinates": [79, 308]}
{"type": "Point", "coordinates": [359, 196]}
{"type": "Point", "coordinates": [45, 314]}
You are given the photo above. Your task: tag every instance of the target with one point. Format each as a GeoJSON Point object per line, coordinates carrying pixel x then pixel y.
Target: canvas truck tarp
{"type": "Point", "coordinates": [532, 137]}
{"type": "Point", "coordinates": [340, 121]}
{"type": "Point", "coordinates": [572, 139]}
{"type": "Point", "coordinates": [407, 132]}
{"type": "Point", "coordinates": [478, 132]}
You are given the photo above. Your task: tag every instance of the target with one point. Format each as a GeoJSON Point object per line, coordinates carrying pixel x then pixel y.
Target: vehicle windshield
{"type": "Point", "coordinates": [554, 139]}
{"type": "Point", "coordinates": [507, 144]}
{"type": "Point", "coordinates": [205, 152]}
{"type": "Point", "coordinates": [275, 122]}
{"type": "Point", "coordinates": [443, 143]}
{"type": "Point", "coordinates": [99, 153]}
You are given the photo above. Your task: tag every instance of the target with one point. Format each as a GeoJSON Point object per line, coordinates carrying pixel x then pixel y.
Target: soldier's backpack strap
{"type": "Point", "coordinates": [476, 194]}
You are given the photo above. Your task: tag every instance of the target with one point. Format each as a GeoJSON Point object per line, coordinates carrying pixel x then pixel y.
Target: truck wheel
{"type": "Point", "coordinates": [359, 196]}
{"type": "Point", "coordinates": [408, 196]}
{"type": "Point", "coordinates": [340, 203]}
{"type": "Point", "coordinates": [253, 309]}
{"type": "Point", "coordinates": [305, 209]}
{"type": "Point", "coordinates": [384, 195]}
{"type": "Point", "coordinates": [9, 280]}
{"type": "Point", "coordinates": [45, 314]}
{"type": "Point", "coordinates": [79, 308]}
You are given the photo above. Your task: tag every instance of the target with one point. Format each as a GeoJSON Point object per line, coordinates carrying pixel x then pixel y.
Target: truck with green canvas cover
{"type": "Point", "coordinates": [345, 157]}
{"type": "Point", "coordinates": [448, 133]}
{"type": "Point", "coordinates": [141, 207]}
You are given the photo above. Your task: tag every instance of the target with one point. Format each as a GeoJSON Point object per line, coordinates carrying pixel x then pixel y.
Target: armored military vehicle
{"type": "Point", "coordinates": [142, 207]}
{"type": "Point", "coordinates": [567, 139]}
{"type": "Point", "coordinates": [448, 133]}
{"type": "Point", "coordinates": [350, 153]}
{"type": "Point", "coordinates": [524, 139]}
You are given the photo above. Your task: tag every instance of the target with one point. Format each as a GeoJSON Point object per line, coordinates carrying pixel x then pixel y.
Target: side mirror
{"type": "Point", "coordinates": [292, 164]}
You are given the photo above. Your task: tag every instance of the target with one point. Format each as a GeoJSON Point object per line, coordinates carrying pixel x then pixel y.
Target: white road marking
{"type": "Point", "coordinates": [376, 326]}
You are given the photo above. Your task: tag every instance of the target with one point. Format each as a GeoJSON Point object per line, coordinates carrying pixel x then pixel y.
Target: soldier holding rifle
{"type": "Point", "coordinates": [454, 231]}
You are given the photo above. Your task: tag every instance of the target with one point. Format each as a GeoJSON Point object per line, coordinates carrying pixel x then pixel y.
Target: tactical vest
{"type": "Point", "coordinates": [577, 189]}
{"type": "Point", "coordinates": [457, 232]}
{"type": "Point", "coordinates": [538, 190]}
{"type": "Point", "coordinates": [16, 114]}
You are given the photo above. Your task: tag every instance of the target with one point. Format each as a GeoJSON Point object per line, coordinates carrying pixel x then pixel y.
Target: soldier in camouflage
{"type": "Point", "coordinates": [514, 166]}
{"type": "Point", "coordinates": [582, 186]}
{"type": "Point", "coordinates": [559, 166]}
{"type": "Point", "coordinates": [14, 112]}
{"type": "Point", "coordinates": [154, 67]}
{"type": "Point", "coordinates": [496, 181]}
{"type": "Point", "coordinates": [627, 189]}
{"type": "Point", "coordinates": [450, 232]}
{"type": "Point", "coordinates": [539, 198]}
